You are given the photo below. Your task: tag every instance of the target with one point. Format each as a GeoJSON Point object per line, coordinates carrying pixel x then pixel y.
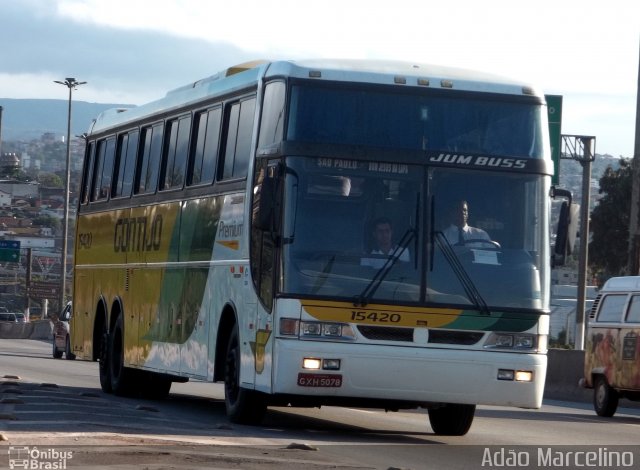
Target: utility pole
{"type": "Point", "coordinates": [633, 264]}
{"type": "Point", "coordinates": [71, 83]}
{"type": "Point", "coordinates": [582, 149]}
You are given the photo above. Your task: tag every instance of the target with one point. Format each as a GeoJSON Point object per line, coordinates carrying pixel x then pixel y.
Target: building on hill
{"type": "Point", "coordinates": [19, 189]}
{"type": "Point", "coordinates": [9, 162]}
{"type": "Point", "coordinates": [12, 222]}
{"type": "Point", "coordinates": [5, 199]}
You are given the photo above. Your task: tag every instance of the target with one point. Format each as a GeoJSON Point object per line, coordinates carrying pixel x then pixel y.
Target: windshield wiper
{"type": "Point", "coordinates": [289, 238]}
{"type": "Point", "coordinates": [363, 299]}
{"type": "Point", "coordinates": [325, 275]}
{"type": "Point", "coordinates": [467, 283]}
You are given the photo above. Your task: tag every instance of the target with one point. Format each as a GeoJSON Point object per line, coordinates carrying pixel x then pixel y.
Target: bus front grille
{"type": "Point", "coordinates": [388, 333]}
{"type": "Point", "coordinates": [466, 338]}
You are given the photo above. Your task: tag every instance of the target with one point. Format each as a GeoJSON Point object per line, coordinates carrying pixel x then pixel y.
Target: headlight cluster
{"type": "Point", "coordinates": [316, 329]}
{"type": "Point", "coordinates": [516, 342]}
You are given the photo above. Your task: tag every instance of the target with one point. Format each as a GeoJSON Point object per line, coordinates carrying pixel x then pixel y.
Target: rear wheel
{"type": "Point", "coordinates": [452, 419]}
{"type": "Point", "coordinates": [243, 406]}
{"type": "Point", "coordinates": [67, 351]}
{"type": "Point", "coordinates": [122, 378]}
{"type": "Point", "coordinates": [103, 362]}
{"type": "Point", "coordinates": [605, 398]}
{"type": "Point", "coordinates": [55, 353]}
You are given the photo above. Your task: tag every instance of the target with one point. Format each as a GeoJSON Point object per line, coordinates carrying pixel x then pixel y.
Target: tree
{"type": "Point", "coordinates": [45, 220]}
{"type": "Point", "coordinates": [609, 225]}
{"type": "Point", "coordinates": [50, 180]}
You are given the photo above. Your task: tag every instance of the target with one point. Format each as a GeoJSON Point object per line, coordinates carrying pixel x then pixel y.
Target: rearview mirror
{"type": "Point", "coordinates": [264, 219]}
{"type": "Point", "coordinates": [566, 232]}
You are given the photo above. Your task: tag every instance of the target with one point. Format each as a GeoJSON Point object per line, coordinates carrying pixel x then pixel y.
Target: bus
{"type": "Point", "coordinates": [223, 230]}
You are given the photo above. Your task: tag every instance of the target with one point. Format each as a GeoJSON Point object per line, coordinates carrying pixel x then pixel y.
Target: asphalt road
{"type": "Point", "coordinates": [57, 408]}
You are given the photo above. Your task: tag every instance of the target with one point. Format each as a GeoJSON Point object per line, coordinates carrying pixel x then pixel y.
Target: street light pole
{"type": "Point", "coordinates": [70, 83]}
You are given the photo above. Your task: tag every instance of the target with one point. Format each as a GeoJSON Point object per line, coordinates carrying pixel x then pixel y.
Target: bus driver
{"type": "Point", "coordinates": [460, 231]}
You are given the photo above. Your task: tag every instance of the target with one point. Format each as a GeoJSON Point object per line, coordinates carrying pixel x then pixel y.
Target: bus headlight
{"type": "Point", "coordinates": [308, 328]}
{"type": "Point", "coordinates": [311, 363]}
{"type": "Point", "coordinates": [516, 341]}
{"type": "Point", "coordinates": [515, 375]}
{"type": "Point", "coordinates": [316, 329]}
{"type": "Point", "coordinates": [523, 342]}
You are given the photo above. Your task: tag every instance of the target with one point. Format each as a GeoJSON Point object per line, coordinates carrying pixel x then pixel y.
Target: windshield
{"type": "Point", "coordinates": [383, 232]}
{"type": "Point", "coordinates": [417, 121]}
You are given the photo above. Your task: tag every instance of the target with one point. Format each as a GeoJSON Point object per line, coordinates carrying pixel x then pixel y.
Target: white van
{"type": "Point", "coordinates": [612, 348]}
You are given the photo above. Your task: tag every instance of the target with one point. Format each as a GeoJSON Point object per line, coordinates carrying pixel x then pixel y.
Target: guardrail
{"type": "Point", "coordinates": [39, 329]}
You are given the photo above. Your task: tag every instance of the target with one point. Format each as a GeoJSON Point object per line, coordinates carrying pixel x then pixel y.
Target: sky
{"type": "Point", "coordinates": [134, 51]}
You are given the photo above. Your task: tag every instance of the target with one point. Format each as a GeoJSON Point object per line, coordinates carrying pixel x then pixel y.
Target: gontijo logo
{"type": "Point", "coordinates": [138, 234]}
{"type": "Point", "coordinates": [41, 459]}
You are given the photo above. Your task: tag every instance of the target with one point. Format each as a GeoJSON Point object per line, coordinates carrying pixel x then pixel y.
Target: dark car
{"type": "Point", "coordinates": [61, 339]}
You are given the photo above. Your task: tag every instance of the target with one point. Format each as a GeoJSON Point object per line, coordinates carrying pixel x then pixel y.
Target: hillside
{"type": "Point", "coordinates": [27, 119]}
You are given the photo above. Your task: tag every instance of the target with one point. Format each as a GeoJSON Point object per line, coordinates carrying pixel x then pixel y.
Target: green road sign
{"type": "Point", "coordinates": [10, 251]}
{"type": "Point", "coordinates": [554, 112]}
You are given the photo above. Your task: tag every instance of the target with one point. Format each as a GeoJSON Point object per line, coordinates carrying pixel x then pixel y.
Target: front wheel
{"type": "Point", "coordinates": [243, 406]}
{"type": "Point", "coordinates": [452, 419]}
{"type": "Point", "coordinates": [605, 398]}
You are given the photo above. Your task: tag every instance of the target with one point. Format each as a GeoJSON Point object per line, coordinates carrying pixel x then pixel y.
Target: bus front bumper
{"type": "Point", "coordinates": [411, 374]}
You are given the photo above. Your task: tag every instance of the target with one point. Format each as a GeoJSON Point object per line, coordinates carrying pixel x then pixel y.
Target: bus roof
{"type": "Point", "coordinates": [244, 75]}
{"type": "Point", "coordinates": [622, 284]}
{"type": "Point", "coordinates": [226, 81]}
{"type": "Point", "coordinates": [400, 73]}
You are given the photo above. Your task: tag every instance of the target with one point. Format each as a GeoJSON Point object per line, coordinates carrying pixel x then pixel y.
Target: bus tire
{"type": "Point", "coordinates": [605, 398]}
{"type": "Point", "coordinates": [122, 378]}
{"type": "Point", "coordinates": [242, 406]}
{"type": "Point", "coordinates": [67, 350]}
{"type": "Point", "coordinates": [452, 419]}
{"type": "Point", "coordinates": [103, 363]}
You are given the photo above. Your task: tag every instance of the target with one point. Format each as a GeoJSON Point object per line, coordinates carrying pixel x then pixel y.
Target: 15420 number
{"type": "Point", "coordinates": [377, 317]}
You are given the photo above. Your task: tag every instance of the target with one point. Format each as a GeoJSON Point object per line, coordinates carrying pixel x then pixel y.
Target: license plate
{"type": "Point", "coordinates": [319, 380]}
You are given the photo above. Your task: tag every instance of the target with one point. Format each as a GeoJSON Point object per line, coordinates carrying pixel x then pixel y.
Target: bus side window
{"type": "Point", "coordinates": [102, 169]}
{"type": "Point", "coordinates": [147, 168]}
{"type": "Point", "coordinates": [239, 128]}
{"type": "Point", "coordinates": [88, 172]}
{"type": "Point", "coordinates": [97, 170]}
{"type": "Point", "coordinates": [204, 153]}
{"type": "Point", "coordinates": [125, 164]}
{"type": "Point", "coordinates": [107, 168]}
{"type": "Point", "coordinates": [272, 120]}
{"type": "Point", "coordinates": [174, 156]}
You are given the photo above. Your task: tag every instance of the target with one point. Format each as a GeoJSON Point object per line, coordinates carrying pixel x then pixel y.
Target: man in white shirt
{"type": "Point", "coordinates": [383, 237]}
{"type": "Point", "coordinates": [460, 231]}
